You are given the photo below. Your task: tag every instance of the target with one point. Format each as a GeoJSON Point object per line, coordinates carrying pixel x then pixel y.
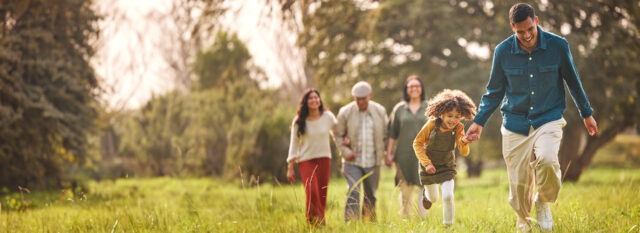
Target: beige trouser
{"type": "Point", "coordinates": [533, 160]}
{"type": "Point", "coordinates": [409, 204]}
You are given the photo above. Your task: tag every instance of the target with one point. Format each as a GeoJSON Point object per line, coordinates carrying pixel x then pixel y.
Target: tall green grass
{"type": "Point", "coordinates": [605, 200]}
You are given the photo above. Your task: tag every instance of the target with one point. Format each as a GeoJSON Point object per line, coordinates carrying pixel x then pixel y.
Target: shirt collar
{"type": "Point", "coordinates": [542, 43]}
{"type": "Point", "coordinates": [365, 112]}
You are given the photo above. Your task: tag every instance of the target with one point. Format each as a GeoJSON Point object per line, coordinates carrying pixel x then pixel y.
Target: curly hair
{"type": "Point", "coordinates": [448, 100]}
{"type": "Point", "coordinates": [303, 110]}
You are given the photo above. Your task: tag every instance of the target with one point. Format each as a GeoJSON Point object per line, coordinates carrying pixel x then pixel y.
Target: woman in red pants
{"type": "Point", "coordinates": [310, 149]}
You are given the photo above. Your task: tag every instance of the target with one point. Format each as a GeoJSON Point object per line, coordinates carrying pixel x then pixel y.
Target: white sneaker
{"type": "Point", "coordinates": [522, 225]}
{"type": "Point", "coordinates": [543, 214]}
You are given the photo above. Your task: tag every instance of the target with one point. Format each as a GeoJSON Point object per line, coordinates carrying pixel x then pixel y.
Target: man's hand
{"type": "Point", "coordinates": [351, 156]}
{"type": "Point", "coordinates": [591, 125]}
{"type": "Point", "coordinates": [346, 142]}
{"type": "Point", "coordinates": [473, 133]}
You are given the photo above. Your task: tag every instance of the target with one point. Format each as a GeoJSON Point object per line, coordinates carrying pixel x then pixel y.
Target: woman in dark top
{"type": "Point", "coordinates": [406, 120]}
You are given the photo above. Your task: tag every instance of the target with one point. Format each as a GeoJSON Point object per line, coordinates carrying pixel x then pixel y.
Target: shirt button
{"type": "Point", "coordinates": [531, 75]}
{"type": "Point", "coordinates": [533, 92]}
{"type": "Point", "coordinates": [529, 58]}
{"type": "Point", "coordinates": [531, 108]}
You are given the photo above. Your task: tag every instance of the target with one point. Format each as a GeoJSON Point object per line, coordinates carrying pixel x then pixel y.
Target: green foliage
{"type": "Point", "coordinates": [272, 145]}
{"type": "Point", "coordinates": [47, 90]}
{"type": "Point", "coordinates": [439, 40]}
{"type": "Point", "coordinates": [331, 42]}
{"type": "Point", "coordinates": [241, 104]}
{"type": "Point", "coordinates": [154, 137]}
{"type": "Point", "coordinates": [223, 64]}
{"type": "Point", "coordinates": [226, 126]}
{"type": "Point", "coordinates": [603, 38]}
{"type": "Point", "coordinates": [207, 205]}
{"type": "Point", "coordinates": [384, 45]}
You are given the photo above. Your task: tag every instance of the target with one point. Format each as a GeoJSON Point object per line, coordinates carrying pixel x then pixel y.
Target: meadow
{"type": "Point", "coordinates": [604, 200]}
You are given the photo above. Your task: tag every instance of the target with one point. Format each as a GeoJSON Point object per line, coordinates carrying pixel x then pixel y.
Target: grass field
{"type": "Point", "coordinates": [605, 200]}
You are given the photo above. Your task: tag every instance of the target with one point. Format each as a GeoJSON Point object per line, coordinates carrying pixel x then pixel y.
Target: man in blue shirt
{"type": "Point", "coordinates": [529, 71]}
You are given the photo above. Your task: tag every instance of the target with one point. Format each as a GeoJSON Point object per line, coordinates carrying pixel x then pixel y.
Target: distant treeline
{"type": "Point", "coordinates": [54, 132]}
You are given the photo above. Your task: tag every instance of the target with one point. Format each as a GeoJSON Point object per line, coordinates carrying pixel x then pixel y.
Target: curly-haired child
{"type": "Point", "coordinates": [435, 144]}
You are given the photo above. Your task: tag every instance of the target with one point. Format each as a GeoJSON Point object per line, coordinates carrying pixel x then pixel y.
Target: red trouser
{"type": "Point", "coordinates": [315, 175]}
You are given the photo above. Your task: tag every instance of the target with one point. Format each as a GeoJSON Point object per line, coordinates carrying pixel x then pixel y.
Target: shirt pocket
{"type": "Point", "coordinates": [548, 68]}
{"type": "Point", "coordinates": [517, 80]}
{"type": "Point", "coordinates": [549, 76]}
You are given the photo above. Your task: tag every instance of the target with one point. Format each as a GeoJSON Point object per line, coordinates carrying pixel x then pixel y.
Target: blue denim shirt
{"type": "Point", "coordinates": [530, 86]}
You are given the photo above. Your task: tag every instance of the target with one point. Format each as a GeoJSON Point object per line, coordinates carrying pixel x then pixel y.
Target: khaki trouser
{"type": "Point", "coordinates": [533, 160]}
{"type": "Point", "coordinates": [409, 204]}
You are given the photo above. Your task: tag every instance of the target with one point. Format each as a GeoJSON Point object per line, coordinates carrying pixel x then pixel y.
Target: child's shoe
{"type": "Point", "coordinates": [425, 201]}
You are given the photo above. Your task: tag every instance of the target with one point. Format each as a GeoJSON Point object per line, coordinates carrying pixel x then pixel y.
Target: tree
{"type": "Point", "coordinates": [605, 40]}
{"type": "Point", "coordinates": [384, 42]}
{"type": "Point", "coordinates": [47, 90]}
{"type": "Point", "coordinates": [236, 112]}
{"type": "Point", "coordinates": [226, 125]}
{"type": "Point", "coordinates": [444, 42]}
{"type": "Point", "coordinates": [182, 27]}
{"type": "Point", "coordinates": [275, 35]}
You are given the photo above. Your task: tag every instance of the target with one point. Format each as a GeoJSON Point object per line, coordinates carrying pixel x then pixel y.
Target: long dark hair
{"type": "Point", "coordinates": [303, 110]}
{"type": "Point", "coordinates": [406, 96]}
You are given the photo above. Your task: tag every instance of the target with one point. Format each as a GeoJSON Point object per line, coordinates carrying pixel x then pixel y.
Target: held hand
{"type": "Point", "coordinates": [465, 140]}
{"type": "Point", "coordinates": [291, 175]}
{"type": "Point", "coordinates": [473, 133]}
{"type": "Point", "coordinates": [351, 156]}
{"type": "Point", "coordinates": [389, 161]}
{"type": "Point", "coordinates": [346, 142]}
{"type": "Point", "coordinates": [591, 125]}
{"type": "Point", "coordinates": [430, 169]}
